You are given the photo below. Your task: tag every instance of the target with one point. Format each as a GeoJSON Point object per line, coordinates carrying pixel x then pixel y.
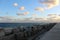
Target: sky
{"type": "Point", "coordinates": [29, 11]}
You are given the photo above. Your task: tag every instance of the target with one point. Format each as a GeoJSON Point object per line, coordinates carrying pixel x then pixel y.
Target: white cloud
{"type": "Point", "coordinates": [15, 4]}
{"type": "Point", "coordinates": [34, 15]}
{"type": "Point", "coordinates": [56, 18]}
{"type": "Point", "coordinates": [25, 13]}
{"type": "Point", "coordinates": [22, 14]}
{"type": "Point", "coordinates": [52, 15]}
{"type": "Point", "coordinates": [50, 3]}
{"type": "Point", "coordinates": [39, 9]}
{"type": "Point", "coordinates": [8, 19]}
{"type": "Point", "coordinates": [22, 8]}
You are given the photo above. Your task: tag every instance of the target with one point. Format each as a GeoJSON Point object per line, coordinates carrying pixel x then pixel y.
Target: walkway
{"type": "Point", "coordinates": [53, 34]}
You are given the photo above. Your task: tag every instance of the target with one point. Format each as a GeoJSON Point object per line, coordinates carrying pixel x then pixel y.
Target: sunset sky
{"type": "Point", "coordinates": [29, 11]}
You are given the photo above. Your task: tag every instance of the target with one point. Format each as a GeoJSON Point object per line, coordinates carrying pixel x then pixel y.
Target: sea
{"type": "Point", "coordinates": [12, 25]}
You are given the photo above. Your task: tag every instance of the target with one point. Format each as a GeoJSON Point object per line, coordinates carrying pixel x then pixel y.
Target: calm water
{"type": "Point", "coordinates": [18, 24]}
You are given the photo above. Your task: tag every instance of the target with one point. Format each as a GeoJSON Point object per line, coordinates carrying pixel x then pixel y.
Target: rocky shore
{"type": "Point", "coordinates": [22, 33]}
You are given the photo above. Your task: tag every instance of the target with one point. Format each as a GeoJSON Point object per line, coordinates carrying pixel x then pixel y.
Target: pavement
{"type": "Point", "coordinates": [53, 34]}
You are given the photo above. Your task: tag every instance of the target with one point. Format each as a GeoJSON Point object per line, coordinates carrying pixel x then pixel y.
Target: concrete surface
{"type": "Point", "coordinates": [53, 34]}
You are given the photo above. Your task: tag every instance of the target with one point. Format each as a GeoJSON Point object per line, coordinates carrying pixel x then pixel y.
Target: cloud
{"type": "Point", "coordinates": [22, 14]}
{"type": "Point", "coordinates": [57, 18]}
{"type": "Point", "coordinates": [54, 18]}
{"type": "Point", "coordinates": [52, 15]}
{"type": "Point", "coordinates": [0, 19]}
{"type": "Point", "coordinates": [10, 19]}
{"type": "Point", "coordinates": [15, 4]}
{"type": "Point", "coordinates": [13, 19]}
{"type": "Point", "coordinates": [22, 8]}
{"type": "Point", "coordinates": [34, 15]}
{"type": "Point", "coordinates": [50, 3]}
{"type": "Point", "coordinates": [46, 20]}
{"type": "Point", "coordinates": [6, 18]}
{"type": "Point", "coordinates": [39, 9]}
{"type": "Point", "coordinates": [25, 13]}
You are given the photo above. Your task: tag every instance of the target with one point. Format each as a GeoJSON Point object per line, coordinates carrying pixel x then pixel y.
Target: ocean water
{"type": "Point", "coordinates": [4, 25]}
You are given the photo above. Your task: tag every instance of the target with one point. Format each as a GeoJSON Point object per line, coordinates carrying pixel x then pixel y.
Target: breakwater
{"type": "Point", "coordinates": [28, 33]}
